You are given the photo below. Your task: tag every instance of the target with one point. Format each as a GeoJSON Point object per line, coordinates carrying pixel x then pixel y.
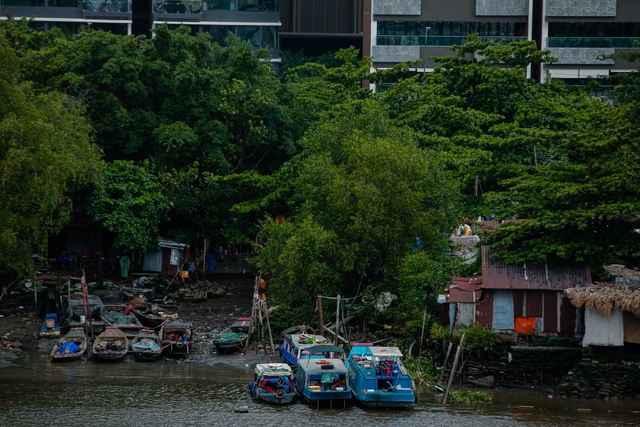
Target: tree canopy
{"type": "Point", "coordinates": [46, 152]}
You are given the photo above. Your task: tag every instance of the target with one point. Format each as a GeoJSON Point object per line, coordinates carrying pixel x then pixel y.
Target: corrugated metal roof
{"type": "Point", "coordinates": [532, 275]}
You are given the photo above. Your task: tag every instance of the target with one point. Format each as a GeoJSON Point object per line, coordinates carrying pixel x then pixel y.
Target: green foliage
{"type": "Point", "coordinates": [479, 338]}
{"type": "Point", "coordinates": [130, 204]}
{"type": "Point", "coordinates": [46, 153]}
{"type": "Point", "coordinates": [438, 332]}
{"type": "Point", "coordinates": [421, 369]}
{"type": "Point", "coordinates": [365, 191]}
{"type": "Point", "coordinates": [470, 397]}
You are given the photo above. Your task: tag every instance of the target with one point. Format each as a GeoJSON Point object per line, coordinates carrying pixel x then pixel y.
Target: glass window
{"type": "Point", "coordinates": [219, 33]}
{"type": "Point", "coordinates": [259, 36]}
{"type": "Point", "coordinates": [105, 5]}
{"type": "Point", "coordinates": [258, 5]}
{"type": "Point", "coordinates": [28, 3]}
{"type": "Point", "coordinates": [220, 5]}
{"type": "Point", "coordinates": [177, 6]}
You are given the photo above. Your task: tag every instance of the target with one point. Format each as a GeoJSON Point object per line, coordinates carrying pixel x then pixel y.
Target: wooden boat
{"type": "Point", "coordinates": [273, 383]}
{"type": "Point", "coordinates": [177, 337]}
{"type": "Point", "coordinates": [234, 337]}
{"type": "Point", "coordinates": [71, 346]}
{"type": "Point", "coordinates": [323, 379]}
{"type": "Point", "coordinates": [119, 314]}
{"type": "Point", "coordinates": [378, 378]}
{"type": "Point", "coordinates": [72, 313]}
{"type": "Point", "coordinates": [146, 346]}
{"type": "Point", "coordinates": [295, 346]}
{"type": "Point", "coordinates": [152, 320]}
{"type": "Point", "coordinates": [50, 327]}
{"type": "Point", "coordinates": [112, 344]}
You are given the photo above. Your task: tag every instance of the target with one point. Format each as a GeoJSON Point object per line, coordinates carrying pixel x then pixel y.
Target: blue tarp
{"type": "Point", "coordinates": [68, 348]}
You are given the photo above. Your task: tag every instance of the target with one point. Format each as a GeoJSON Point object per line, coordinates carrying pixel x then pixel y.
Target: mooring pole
{"type": "Point", "coordinates": [319, 315]}
{"type": "Point", "coordinates": [337, 321]}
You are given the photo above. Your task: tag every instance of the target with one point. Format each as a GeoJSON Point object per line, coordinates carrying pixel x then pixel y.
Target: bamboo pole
{"type": "Point", "coordinates": [320, 315]}
{"type": "Point", "coordinates": [337, 321]}
{"type": "Point", "coordinates": [424, 318]}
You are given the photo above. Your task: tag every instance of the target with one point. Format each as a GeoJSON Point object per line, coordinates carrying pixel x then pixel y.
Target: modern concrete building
{"type": "Point", "coordinates": [254, 20]}
{"type": "Point", "coordinates": [577, 32]}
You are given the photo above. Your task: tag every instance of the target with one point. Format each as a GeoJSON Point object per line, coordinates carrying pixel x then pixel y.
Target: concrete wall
{"type": "Point", "coordinates": [576, 8]}
{"type": "Point", "coordinates": [582, 56]}
{"type": "Point", "coordinates": [397, 7]}
{"type": "Point", "coordinates": [395, 53]}
{"type": "Point", "coordinates": [502, 7]}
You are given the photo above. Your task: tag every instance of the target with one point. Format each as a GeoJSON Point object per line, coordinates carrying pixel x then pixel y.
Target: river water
{"type": "Point", "coordinates": [36, 392]}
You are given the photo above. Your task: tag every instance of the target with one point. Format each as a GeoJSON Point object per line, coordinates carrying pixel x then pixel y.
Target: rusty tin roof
{"type": "Point", "coordinates": [532, 275]}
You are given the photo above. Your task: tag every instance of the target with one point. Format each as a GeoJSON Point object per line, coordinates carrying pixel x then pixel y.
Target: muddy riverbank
{"type": "Point", "coordinates": [19, 324]}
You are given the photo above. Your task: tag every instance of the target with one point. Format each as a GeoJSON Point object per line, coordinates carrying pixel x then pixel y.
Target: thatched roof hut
{"type": "Point", "coordinates": [605, 297]}
{"type": "Point", "coordinates": [624, 275]}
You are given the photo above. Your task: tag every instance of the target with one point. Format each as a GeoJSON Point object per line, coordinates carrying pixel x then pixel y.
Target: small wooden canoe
{"type": "Point", "coordinates": [112, 344]}
{"type": "Point", "coordinates": [70, 347]}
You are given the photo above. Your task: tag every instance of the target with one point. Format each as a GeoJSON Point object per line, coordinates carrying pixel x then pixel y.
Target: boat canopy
{"type": "Point", "coordinates": [324, 349]}
{"type": "Point", "coordinates": [273, 369]}
{"type": "Point", "coordinates": [385, 351]}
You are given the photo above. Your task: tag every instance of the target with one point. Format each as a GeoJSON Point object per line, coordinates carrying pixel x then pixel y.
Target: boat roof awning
{"type": "Point", "coordinates": [274, 369]}
{"type": "Point", "coordinates": [385, 351]}
{"type": "Point", "coordinates": [324, 349]}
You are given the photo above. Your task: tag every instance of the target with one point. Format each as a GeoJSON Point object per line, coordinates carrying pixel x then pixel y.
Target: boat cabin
{"type": "Point", "coordinates": [296, 346]}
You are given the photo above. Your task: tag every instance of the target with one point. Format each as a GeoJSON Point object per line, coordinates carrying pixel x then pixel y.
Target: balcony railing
{"type": "Point", "coordinates": [440, 40]}
{"type": "Point", "coordinates": [592, 41]}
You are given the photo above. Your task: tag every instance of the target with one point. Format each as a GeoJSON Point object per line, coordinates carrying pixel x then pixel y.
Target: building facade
{"type": "Point", "coordinates": [254, 20]}
{"type": "Point", "coordinates": [577, 32]}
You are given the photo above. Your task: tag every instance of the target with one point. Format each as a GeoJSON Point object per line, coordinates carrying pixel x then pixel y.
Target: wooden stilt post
{"type": "Point", "coordinates": [319, 315]}
{"type": "Point", "coordinates": [444, 365]}
{"type": "Point", "coordinates": [453, 370]}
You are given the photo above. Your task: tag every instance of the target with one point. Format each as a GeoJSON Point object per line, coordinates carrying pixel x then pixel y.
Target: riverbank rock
{"type": "Point", "coordinates": [593, 380]}
{"type": "Point", "coordinates": [486, 382]}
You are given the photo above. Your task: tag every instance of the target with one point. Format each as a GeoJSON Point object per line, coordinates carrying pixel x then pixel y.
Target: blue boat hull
{"type": "Point", "coordinates": [385, 399]}
{"type": "Point", "coordinates": [280, 397]}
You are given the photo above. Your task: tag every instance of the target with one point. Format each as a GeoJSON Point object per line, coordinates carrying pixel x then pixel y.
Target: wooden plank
{"type": "Point", "coordinates": [534, 304]}
{"type": "Point", "coordinates": [567, 317]}
{"type": "Point", "coordinates": [550, 320]}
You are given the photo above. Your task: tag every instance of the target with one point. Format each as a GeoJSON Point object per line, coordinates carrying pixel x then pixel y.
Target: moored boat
{"type": "Point", "coordinates": [177, 337]}
{"type": "Point", "coordinates": [146, 346]}
{"type": "Point", "coordinates": [71, 346]}
{"type": "Point", "coordinates": [50, 327]}
{"type": "Point", "coordinates": [112, 344]}
{"type": "Point", "coordinates": [273, 383]}
{"type": "Point", "coordinates": [119, 314]}
{"type": "Point", "coordinates": [378, 378]}
{"type": "Point", "coordinates": [295, 346]}
{"type": "Point", "coordinates": [234, 337]}
{"type": "Point", "coordinates": [323, 379]}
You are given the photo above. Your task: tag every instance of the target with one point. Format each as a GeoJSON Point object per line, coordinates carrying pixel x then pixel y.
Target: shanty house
{"type": "Point", "coordinates": [525, 299]}
{"type": "Point", "coordinates": [612, 310]}
{"type": "Point", "coordinates": [163, 260]}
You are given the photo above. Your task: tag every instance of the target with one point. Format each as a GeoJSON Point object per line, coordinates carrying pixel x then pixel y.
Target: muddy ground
{"type": "Point", "coordinates": [19, 324]}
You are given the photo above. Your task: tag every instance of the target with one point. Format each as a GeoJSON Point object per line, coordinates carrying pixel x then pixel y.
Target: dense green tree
{"type": "Point", "coordinates": [129, 202]}
{"type": "Point", "coordinates": [202, 114]}
{"type": "Point", "coordinates": [46, 152]}
{"type": "Point", "coordinates": [370, 192]}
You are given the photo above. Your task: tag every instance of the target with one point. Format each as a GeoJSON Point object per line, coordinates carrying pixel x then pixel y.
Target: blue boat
{"type": "Point", "coordinates": [378, 378]}
{"type": "Point", "coordinates": [50, 327]}
{"type": "Point", "coordinates": [323, 379]}
{"type": "Point", "coordinates": [273, 383]}
{"type": "Point", "coordinates": [295, 346]}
